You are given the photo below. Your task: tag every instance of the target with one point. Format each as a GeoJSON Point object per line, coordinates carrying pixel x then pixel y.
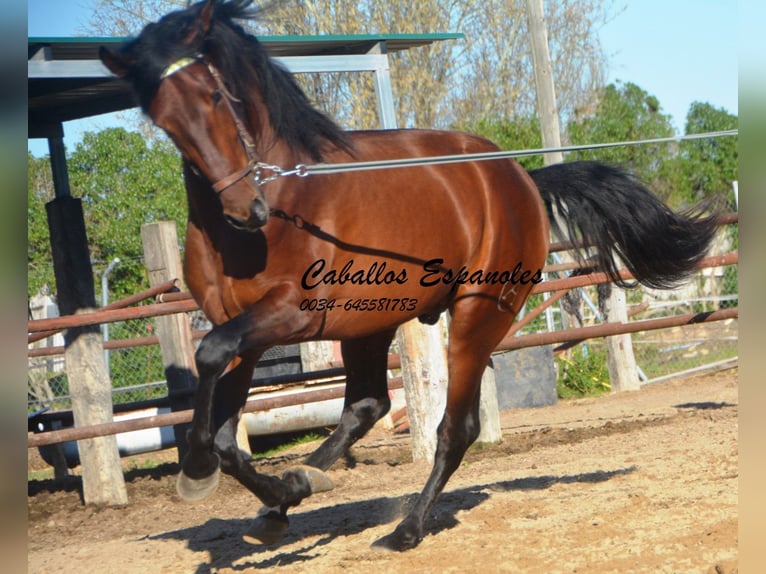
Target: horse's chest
{"type": "Point", "coordinates": [221, 295]}
{"type": "Point", "coordinates": [237, 297]}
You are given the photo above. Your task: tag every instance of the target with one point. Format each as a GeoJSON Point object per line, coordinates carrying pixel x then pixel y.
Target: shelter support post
{"type": "Point", "coordinates": [89, 384]}
{"type": "Point", "coordinates": [384, 93]}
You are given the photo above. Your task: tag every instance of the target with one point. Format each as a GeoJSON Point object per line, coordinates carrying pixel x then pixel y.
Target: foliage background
{"type": "Point", "coordinates": [124, 181]}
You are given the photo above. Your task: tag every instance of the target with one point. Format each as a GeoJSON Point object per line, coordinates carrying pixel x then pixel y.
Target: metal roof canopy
{"type": "Point", "coordinates": [67, 81]}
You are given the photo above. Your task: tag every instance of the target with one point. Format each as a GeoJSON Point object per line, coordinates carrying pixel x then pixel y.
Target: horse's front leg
{"type": "Point", "coordinates": [272, 319]}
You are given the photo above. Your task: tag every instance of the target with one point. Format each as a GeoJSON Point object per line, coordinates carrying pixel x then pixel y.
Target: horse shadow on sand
{"type": "Point", "coordinates": [222, 538]}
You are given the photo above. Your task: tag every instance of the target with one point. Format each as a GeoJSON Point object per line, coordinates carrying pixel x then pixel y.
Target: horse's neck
{"type": "Point", "coordinates": [268, 147]}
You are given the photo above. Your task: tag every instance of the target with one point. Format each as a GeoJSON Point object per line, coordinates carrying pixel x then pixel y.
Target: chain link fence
{"type": "Point", "coordinates": [136, 372]}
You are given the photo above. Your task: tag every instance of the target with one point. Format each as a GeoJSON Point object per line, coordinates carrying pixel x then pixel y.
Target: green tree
{"type": "Point", "coordinates": [519, 134]}
{"type": "Point", "coordinates": [707, 167]}
{"type": "Point", "coordinates": [124, 182]}
{"type": "Point", "coordinates": [626, 112]}
{"type": "Point", "coordinates": [39, 191]}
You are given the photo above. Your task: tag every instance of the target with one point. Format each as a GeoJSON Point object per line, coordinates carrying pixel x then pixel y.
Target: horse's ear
{"type": "Point", "coordinates": [201, 26]}
{"type": "Point", "coordinates": [118, 64]}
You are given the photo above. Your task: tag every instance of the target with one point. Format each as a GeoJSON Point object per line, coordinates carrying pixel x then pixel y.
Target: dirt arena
{"type": "Point", "coordinates": [636, 482]}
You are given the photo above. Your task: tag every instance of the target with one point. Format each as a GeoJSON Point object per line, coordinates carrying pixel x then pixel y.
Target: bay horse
{"type": "Point", "coordinates": [350, 257]}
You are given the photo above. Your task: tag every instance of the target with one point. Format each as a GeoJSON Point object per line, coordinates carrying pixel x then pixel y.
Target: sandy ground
{"type": "Point", "coordinates": [636, 482]}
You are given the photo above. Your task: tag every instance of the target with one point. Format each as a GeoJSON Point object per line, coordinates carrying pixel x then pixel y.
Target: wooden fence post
{"type": "Point", "coordinates": [163, 262]}
{"type": "Point", "coordinates": [316, 355]}
{"type": "Point", "coordinates": [424, 377]}
{"type": "Point", "coordinates": [102, 480]}
{"type": "Point", "coordinates": [620, 360]}
{"type": "Point", "coordinates": [489, 410]}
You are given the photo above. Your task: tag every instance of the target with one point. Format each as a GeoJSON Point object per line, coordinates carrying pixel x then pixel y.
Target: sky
{"type": "Point", "coordinates": [680, 51]}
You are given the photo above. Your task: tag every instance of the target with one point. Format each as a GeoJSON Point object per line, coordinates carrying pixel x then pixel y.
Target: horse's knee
{"type": "Point", "coordinates": [215, 351]}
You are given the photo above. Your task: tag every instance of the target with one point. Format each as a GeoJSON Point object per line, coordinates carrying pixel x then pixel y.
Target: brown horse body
{"type": "Point", "coordinates": [350, 257]}
{"type": "Point", "coordinates": [407, 239]}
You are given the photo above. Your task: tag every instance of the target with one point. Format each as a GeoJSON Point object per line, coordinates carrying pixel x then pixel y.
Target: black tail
{"type": "Point", "coordinates": [610, 210]}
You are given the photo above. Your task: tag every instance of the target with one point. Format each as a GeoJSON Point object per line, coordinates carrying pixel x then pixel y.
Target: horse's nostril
{"type": "Point", "coordinates": [259, 211]}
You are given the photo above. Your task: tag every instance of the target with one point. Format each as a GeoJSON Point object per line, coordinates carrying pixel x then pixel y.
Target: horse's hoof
{"type": "Point", "coordinates": [195, 490]}
{"type": "Point", "coordinates": [397, 541]}
{"type": "Point", "coordinates": [318, 480]}
{"type": "Point", "coordinates": [267, 529]}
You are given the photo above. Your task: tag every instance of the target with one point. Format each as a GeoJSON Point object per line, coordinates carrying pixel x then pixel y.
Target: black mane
{"type": "Point", "coordinates": [235, 53]}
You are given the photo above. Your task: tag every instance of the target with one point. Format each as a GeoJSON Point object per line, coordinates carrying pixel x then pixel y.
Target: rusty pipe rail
{"type": "Point", "coordinates": [601, 277]}
{"type": "Point", "coordinates": [185, 416]}
{"type": "Point", "coordinates": [179, 417]}
{"type": "Point", "coordinates": [121, 304]}
{"type": "Point", "coordinates": [607, 329]}
{"type": "Point", "coordinates": [111, 316]}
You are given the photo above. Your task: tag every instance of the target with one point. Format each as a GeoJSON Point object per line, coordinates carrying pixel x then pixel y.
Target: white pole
{"type": "Point", "coordinates": [105, 302]}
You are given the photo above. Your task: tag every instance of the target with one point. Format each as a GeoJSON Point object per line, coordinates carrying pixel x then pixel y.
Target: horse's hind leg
{"type": "Point", "coordinates": [366, 402]}
{"type": "Point", "coordinates": [475, 330]}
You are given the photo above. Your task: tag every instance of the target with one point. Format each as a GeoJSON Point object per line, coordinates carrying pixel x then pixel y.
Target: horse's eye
{"type": "Point", "coordinates": [217, 97]}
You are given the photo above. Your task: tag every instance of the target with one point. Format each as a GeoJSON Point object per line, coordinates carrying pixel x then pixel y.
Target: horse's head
{"type": "Point", "coordinates": [180, 88]}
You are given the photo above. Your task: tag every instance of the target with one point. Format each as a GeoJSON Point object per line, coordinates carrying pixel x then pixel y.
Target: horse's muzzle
{"type": "Point", "coordinates": [259, 216]}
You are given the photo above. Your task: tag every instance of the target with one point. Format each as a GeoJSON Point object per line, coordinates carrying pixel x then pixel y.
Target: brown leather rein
{"type": "Point", "coordinates": [253, 165]}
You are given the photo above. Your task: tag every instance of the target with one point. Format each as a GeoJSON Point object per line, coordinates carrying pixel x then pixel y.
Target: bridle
{"type": "Point", "coordinates": [253, 165]}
